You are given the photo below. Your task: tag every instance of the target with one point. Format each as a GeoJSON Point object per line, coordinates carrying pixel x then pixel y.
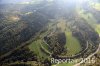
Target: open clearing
{"type": "Point", "coordinates": [35, 46]}
{"type": "Point", "coordinates": [72, 44]}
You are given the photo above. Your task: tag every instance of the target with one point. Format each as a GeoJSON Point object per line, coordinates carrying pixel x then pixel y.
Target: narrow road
{"type": "Point", "coordinates": [78, 64]}
{"type": "Point", "coordinates": [24, 44]}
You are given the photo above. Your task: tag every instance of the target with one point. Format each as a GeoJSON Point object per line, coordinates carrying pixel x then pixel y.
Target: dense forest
{"type": "Point", "coordinates": [32, 34]}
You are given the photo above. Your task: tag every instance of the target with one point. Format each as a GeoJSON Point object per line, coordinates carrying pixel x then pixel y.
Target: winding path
{"type": "Point", "coordinates": [78, 64]}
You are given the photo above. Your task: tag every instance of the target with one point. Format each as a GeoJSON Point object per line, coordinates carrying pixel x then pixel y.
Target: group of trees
{"type": "Point", "coordinates": [13, 34]}
{"type": "Point", "coordinates": [85, 33]}
{"type": "Point", "coordinates": [23, 55]}
{"type": "Point", "coordinates": [56, 42]}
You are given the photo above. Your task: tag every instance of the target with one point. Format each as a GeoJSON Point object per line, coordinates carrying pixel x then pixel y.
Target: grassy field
{"type": "Point", "coordinates": [64, 64]}
{"type": "Point", "coordinates": [35, 46]}
{"type": "Point", "coordinates": [98, 28]}
{"type": "Point", "coordinates": [72, 44]}
{"type": "Point", "coordinates": [90, 19]}
{"type": "Point", "coordinates": [95, 5]}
